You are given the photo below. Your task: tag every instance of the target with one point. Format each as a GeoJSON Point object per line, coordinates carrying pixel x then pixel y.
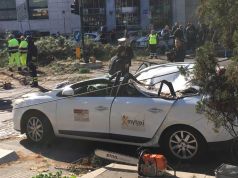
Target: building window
{"type": "Point", "coordinates": [127, 13]}
{"type": "Point", "coordinates": [161, 13]}
{"type": "Point", "coordinates": [94, 14]}
{"type": "Point", "coordinates": [38, 9]}
{"type": "Point", "coordinates": [8, 10]}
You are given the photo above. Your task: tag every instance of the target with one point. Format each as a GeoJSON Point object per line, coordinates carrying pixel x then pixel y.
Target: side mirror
{"type": "Point", "coordinates": [68, 91]}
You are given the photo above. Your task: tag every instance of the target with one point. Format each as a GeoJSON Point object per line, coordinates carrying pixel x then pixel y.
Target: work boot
{"type": "Point", "coordinates": [34, 84]}
{"type": "Point", "coordinates": [19, 69]}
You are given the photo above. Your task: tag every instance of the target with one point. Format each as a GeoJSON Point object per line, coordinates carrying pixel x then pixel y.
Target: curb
{"type": "Point", "coordinates": [7, 156]}
{"type": "Point", "coordinates": [131, 171]}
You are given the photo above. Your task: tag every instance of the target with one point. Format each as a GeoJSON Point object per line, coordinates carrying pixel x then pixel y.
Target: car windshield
{"type": "Point", "coordinates": [98, 87]}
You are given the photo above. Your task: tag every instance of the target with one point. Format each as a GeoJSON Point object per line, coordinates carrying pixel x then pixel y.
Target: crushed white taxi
{"type": "Point", "coordinates": [121, 110]}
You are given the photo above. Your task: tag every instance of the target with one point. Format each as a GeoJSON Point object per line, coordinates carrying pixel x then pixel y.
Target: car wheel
{"type": "Point", "coordinates": [183, 143]}
{"type": "Point", "coordinates": [38, 129]}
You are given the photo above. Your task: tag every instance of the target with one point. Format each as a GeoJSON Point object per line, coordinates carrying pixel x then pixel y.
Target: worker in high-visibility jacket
{"type": "Point", "coordinates": [153, 43]}
{"type": "Point", "coordinates": [14, 59]}
{"type": "Point", "coordinates": [23, 49]}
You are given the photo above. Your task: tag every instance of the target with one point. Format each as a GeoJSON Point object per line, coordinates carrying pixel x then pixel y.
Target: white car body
{"type": "Point", "coordinates": [133, 120]}
{"type": "Point", "coordinates": [94, 36]}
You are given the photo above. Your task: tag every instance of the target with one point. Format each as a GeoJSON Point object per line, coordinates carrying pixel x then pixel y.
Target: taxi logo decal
{"type": "Point", "coordinates": [125, 120]}
{"type": "Point", "coordinates": [132, 124]}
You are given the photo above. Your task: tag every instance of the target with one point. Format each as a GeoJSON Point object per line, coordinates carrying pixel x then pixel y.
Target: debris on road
{"type": "Point", "coordinates": [7, 85]}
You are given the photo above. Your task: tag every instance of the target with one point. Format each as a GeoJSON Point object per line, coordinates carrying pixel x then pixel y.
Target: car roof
{"type": "Point", "coordinates": [170, 72]}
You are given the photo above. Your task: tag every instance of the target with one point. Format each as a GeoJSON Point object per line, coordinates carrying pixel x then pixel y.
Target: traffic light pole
{"type": "Point", "coordinates": [82, 29]}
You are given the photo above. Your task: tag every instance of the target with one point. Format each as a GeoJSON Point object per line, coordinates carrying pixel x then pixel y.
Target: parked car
{"type": "Point", "coordinates": [132, 37]}
{"type": "Point", "coordinates": [94, 36]}
{"type": "Point", "coordinates": [142, 42]}
{"type": "Point", "coordinates": [118, 111]}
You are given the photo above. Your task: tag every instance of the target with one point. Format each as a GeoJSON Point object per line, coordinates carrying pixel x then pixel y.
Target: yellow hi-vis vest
{"type": "Point", "coordinates": [153, 39]}
{"type": "Point", "coordinates": [13, 45]}
{"type": "Point", "coordinates": [23, 47]}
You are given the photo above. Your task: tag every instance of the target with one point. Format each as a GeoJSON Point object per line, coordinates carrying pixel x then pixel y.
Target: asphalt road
{"type": "Point", "coordinates": [68, 151]}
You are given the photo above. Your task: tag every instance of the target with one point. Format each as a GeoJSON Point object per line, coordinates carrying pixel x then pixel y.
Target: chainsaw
{"type": "Point", "coordinates": [149, 165]}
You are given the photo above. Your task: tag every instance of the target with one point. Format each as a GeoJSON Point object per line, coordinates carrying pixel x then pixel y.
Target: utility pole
{"type": "Point", "coordinates": [82, 30]}
{"type": "Point", "coordinates": [77, 8]}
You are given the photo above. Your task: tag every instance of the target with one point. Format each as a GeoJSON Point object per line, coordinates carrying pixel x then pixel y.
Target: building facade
{"type": "Point", "coordinates": [55, 15]}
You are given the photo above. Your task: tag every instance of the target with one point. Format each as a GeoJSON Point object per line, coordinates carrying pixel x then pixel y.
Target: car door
{"type": "Point", "coordinates": [137, 118]}
{"type": "Point", "coordinates": [84, 115]}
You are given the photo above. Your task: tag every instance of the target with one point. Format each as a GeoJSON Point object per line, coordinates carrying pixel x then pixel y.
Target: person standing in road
{"type": "Point", "coordinates": [153, 43]}
{"type": "Point", "coordinates": [23, 49]}
{"type": "Point", "coordinates": [202, 31]}
{"type": "Point", "coordinates": [122, 60]}
{"type": "Point", "coordinates": [14, 59]}
{"type": "Point", "coordinates": [179, 34]}
{"type": "Point", "coordinates": [174, 28]}
{"type": "Point", "coordinates": [178, 53]}
{"type": "Point", "coordinates": [32, 53]}
{"type": "Point", "coordinates": [191, 35]}
{"type": "Point", "coordinates": [165, 33]}
{"type": "Point", "coordinates": [129, 54]}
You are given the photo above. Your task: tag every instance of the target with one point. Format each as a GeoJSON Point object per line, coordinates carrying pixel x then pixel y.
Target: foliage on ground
{"type": "Point", "coordinates": [67, 66]}
{"type": "Point", "coordinates": [102, 52]}
{"type": "Point", "coordinates": [105, 52]}
{"type": "Point", "coordinates": [3, 58]}
{"type": "Point", "coordinates": [87, 164]}
{"type": "Point", "coordinates": [79, 167]}
{"type": "Point", "coordinates": [52, 175]}
{"type": "Point", "coordinates": [61, 48]}
{"type": "Point", "coordinates": [51, 48]}
{"type": "Point", "coordinates": [84, 70]}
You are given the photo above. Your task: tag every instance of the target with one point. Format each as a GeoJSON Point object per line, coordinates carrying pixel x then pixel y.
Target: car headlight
{"type": "Point", "coordinates": [17, 102]}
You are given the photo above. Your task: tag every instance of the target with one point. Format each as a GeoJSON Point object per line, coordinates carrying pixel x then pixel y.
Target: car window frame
{"type": "Point", "coordinates": [90, 83]}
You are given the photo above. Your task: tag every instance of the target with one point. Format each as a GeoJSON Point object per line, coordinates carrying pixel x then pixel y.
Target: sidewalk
{"type": "Point", "coordinates": [124, 171]}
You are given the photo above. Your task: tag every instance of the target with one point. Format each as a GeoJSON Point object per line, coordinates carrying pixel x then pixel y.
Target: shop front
{"type": "Point", "coordinates": [161, 13]}
{"type": "Point", "coordinates": [94, 14]}
{"type": "Point", "coordinates": [127, 14]}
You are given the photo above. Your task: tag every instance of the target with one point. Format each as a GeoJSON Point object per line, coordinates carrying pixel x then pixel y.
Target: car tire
{"type": "Point", "coordinates": [183, 143]}
{"type": "Point", "coordinates": [38, 129]}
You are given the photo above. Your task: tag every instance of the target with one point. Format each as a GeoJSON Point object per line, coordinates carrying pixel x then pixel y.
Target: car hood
{"type": "Point", "coordinates": [153, 75]}
{"type": "Point", "coordinates": [32, 99]}
{"type": "Point", "coordinates": [142, 39]}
